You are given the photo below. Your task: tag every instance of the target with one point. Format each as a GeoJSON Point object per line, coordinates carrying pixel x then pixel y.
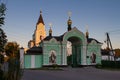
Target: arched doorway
{"type": "Point", "coordinates": [74, 59]}
{"type": "Point", "coordinates": [79, 42]}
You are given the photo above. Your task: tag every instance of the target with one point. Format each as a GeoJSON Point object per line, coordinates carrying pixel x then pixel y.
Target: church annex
{"type": "Point", "coordinates": [73, 48]}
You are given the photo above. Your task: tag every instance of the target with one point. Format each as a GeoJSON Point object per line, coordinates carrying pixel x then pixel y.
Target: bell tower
{"type": "Point", "coordinates": [40, 32]}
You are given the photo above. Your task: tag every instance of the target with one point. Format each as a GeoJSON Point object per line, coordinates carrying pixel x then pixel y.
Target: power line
{"type": "Point", "coordinates": [113, 31]}
{"type": "Point", "coordinates": [113, 34]}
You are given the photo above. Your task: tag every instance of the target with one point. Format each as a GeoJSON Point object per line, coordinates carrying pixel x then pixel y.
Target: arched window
{"type": "Point", "coordinates": [52, 57]}
{"type": "Point", "coordinates": [93, 58]}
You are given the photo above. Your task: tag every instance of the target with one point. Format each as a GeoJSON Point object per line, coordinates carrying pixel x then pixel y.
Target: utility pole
{"type": "Point", "coordinates": [109, 46]}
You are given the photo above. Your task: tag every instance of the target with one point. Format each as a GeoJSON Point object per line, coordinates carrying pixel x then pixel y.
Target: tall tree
{"type": "Point", "coordinates": [2, 13]}
{"type": "Point", "coordinates": [3, 39]}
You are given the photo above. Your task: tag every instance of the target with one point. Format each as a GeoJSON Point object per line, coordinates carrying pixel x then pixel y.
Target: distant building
{"type": "Point", "coordinates": [49, 50]}
{"type": "Point", "coordinates": [107, 55]}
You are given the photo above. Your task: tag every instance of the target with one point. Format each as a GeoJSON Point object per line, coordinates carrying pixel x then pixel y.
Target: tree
{"type": "Point", "coordinates": [117, 52]}
{"type": "Point", "coordinates": [12, 50]}
{"type": "Point", "coordinates": [2, 13]}
{"type": "Point", "coordinates": [3, 39]}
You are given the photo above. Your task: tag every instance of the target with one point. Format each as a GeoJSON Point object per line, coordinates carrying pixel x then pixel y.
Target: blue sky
{"type": "Point", "coordinates": [100, 15]}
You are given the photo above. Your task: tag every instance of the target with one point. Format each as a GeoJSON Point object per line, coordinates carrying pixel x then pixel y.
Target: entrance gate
{"type": "Point", "coordinates": [78, 41]}
{"type": "Point", "coordinates": [75, 58]}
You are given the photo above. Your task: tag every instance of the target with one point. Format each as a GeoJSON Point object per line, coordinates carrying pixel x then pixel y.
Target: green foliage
{"type": "Point", "coordinates": [111, 64]}
{"type": "Point", "coordinates": [12, 48]}
{"type": "Point", "coordinates": [14, 71]}
{"type": "Point", "coordinates": [55, 66]}
{"type": "Point", "coordinates": [3, 40]}
{"type": "Point", "coordinates": [1, 59]}
{"type": "Point", "coordinates": [117, 52]}
{"type": "Point", "coordinates": [2, 13]}
{"type": "Point", "coordinates": [98, 66]}
{"type": "Point", "coordinates": [1, 74]}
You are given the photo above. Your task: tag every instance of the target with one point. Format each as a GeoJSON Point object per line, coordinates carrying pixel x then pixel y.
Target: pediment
{"type": "Point", "coordinates": [53, 40]}
{"type": "Point", "coordinates": [75, 33]}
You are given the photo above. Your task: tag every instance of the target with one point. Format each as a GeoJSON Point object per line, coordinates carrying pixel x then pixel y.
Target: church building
{"type": "Point", "coordinates": [72, 48]}
{"type": "Point", "coordinates": [39, 33]}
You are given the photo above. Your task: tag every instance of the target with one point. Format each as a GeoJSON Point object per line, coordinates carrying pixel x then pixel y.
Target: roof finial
{"type": "Point", "coordinates": [40, 11]}
{"type": "Point", "coordinates": [69, 14]}
{"type": "Point", "coordinates": [69, 22]}
{"type": "Point", "coordinates": [87, 33]}
{"type": "Point", "coordinates": [50, 24]}
{"type": "Point", "coordinates": [50, 30]}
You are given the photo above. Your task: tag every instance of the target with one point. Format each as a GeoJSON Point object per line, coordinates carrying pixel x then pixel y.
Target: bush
{"type": "Point", "coordinates": [98, 66]}
{"type": "Point", "coordinates": [55, 66]}
{"type": "Point", "coordinates": [1, 73]}
{"type": "Point", "coordinates": [111, 64]}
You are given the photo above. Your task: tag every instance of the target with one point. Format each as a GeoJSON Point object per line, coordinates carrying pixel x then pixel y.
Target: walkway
{"type": "Point", "coordinates": [87, 73]}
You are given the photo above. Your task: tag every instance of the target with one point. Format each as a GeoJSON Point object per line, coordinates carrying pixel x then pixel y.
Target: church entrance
{"type": "Point", "coordinates": [74, 51]}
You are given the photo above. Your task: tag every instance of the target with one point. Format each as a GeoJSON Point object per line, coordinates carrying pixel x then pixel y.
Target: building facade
{"type": "Point", "coordinates": [81, 49]}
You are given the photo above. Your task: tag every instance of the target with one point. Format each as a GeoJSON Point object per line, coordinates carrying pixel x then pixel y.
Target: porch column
{"type": "Point", "coordinates": [83, 57]}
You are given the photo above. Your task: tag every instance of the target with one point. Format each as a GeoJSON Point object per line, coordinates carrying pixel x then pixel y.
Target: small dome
{"type": "Point", "coordinates": [50, 31]}
{"type": "Point", "coordinates": [69, 21]}
{"type": "Point", "coordinates": [87, 33]}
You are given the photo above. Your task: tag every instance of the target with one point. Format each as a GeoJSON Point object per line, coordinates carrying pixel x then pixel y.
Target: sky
{"type": "Point", "coordinates": [101, 16]}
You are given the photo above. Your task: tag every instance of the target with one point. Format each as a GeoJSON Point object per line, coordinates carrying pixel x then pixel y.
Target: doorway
{"type": "Point", "coordinates": [74, 59]}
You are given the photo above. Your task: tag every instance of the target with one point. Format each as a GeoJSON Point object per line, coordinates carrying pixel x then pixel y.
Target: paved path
{"type": "Point", "coordinates": [87, 73]}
